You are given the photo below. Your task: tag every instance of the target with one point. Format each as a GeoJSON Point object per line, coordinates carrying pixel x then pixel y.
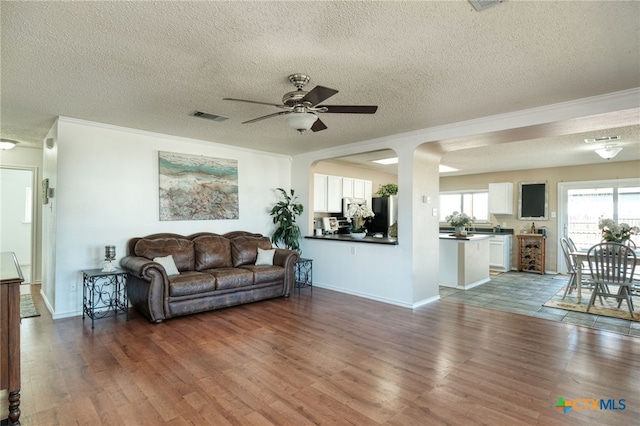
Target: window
{"type": "Point", "coordinates": [473, 203]}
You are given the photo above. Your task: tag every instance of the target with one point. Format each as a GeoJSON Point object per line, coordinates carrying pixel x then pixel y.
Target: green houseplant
{"type": "Point", "coordinates": [284, 214]}
{"type": "Point", "coordinates": [387, 189]}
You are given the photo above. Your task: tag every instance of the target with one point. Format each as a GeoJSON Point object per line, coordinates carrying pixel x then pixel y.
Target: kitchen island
{"type": "Point", "coordinates": [464, 261]}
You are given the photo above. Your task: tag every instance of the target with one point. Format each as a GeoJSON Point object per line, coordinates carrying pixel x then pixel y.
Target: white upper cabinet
{"type": "Point", "coordinates": [334, 194]}
{"type": "Point", "coordinates": [319, 193]}
{"type": "Point", "coordinates": [368, 191]}
{"type": "Point", "coordinates": [347, 187]}
{"type": "Point", "coordinates": [358, 188]}
{"type": "Point", "coordinates": [328, 192]}
{"type": "Point", "coordinates": [501, 198]}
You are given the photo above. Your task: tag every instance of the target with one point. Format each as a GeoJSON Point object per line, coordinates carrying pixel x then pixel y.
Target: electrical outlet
{"type": "Point", "coordinates": [353, 251]}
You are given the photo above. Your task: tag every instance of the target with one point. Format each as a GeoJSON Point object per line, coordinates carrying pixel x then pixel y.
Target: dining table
{"type": "Point", "coordinates": [581, 258]}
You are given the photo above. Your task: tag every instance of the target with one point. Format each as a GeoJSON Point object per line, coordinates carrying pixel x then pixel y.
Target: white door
{"type": "Point", "coordinates": [16, 216]}
{"type": "Point", "coordinates": [583, 204]}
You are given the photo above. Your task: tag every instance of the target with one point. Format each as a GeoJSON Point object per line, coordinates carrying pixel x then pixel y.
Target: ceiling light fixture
{"type": "Point", "coordinates": [608, 152]}
{"type": "Point", "coordinates": [6, 144]}
{"type": "Point", "coordinates": [301, 121]}
{"type": "Point", "coordinates": [387, 161]}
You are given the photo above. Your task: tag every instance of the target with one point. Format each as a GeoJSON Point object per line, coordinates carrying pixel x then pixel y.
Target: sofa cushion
{"type": "Point", "coordinates": [190, 283]}
{"type": "Point", "coordinates": [231, 277]}
{"type": "Point", "coordinates": [244, 250]}
{"type": "Point", "coordinates": [181, 250]}
{"type": "Point", "coordinates": [212, 251]}
{"type": "Point", "coordinates": [265, 274]}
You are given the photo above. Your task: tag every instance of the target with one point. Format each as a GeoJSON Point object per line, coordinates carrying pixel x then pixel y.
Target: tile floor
{"type": "Point", "coordinates": [525, 293]}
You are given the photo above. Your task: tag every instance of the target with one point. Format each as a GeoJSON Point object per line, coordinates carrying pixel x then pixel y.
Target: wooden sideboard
{"type": "Point", "coordinates": [10, 280]}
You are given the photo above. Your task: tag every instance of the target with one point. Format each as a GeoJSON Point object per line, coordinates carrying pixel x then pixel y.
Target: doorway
{"type": "Point", "coordinates": [17, 216]}
{"type": "Point", "coordinates": [583, 204]}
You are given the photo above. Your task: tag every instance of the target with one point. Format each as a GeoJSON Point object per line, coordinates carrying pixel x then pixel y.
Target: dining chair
{"type": "Point", "coordinates": [573, 265]}
{"type": "Point", "coordinates": [612, 264]}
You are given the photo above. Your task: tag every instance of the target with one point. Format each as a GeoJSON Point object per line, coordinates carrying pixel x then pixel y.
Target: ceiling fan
{"type": "Point", "coordinates": [302, 106]}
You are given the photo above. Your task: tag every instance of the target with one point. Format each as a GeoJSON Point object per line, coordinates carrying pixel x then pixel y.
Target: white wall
{"type": "Point", "coordinates": [107, 193]}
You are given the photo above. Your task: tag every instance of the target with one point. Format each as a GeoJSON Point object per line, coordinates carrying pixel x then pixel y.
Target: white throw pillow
{"type": "Point", "coordinates": [169, 265]}
{"type": "Point", "coordinates": [265, 257]}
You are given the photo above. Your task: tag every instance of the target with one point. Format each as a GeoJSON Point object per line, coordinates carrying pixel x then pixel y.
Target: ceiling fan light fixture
{"type": "Point", "coordinates": [6, 144]}
{"type": "Point", "coordinates": [608, 152]}
{"type": "Point", "coordinates": [301, 121]}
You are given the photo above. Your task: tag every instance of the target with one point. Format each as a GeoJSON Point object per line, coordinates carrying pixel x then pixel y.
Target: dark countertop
{"type": "Point", "coordinates": [503, 231]}
{"type": "Point", "coordinates": [347, 238]}
{"type": "Point", "coordinates": [469, 237]}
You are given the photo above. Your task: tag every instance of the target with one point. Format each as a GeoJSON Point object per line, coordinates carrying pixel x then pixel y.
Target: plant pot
{"type": "Point", "coordinates": [358, 235]}
{"type": "Point", "coordinates": [460, 231]}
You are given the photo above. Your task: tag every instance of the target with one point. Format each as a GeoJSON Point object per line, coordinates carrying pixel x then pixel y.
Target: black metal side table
{"type": "Point", "coordinates": [104, 294]}
{"type": "Point", "coordinates": [304, 273]}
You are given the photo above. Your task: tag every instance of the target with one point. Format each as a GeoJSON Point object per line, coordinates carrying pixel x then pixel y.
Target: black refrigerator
{"type": "Point", "coordinates": [386, 214]}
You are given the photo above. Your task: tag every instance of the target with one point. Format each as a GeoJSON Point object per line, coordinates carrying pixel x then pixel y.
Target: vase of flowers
{"type": "Point", "coordinates": [616, 232]}
{"type": "Point", "coordinates": [459, 221]}
{"type": "Point", "coordinates": [358, 215]}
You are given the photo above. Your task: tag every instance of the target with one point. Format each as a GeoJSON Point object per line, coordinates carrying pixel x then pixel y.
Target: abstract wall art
{"type": "Point", "coordinates": [194, 187]}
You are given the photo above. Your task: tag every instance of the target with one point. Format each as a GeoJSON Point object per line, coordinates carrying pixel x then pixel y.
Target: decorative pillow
{"type": "Point", "coordinates": [265, 257]}
{"type": "Point", "coordinates": [244, 250]}
{"type": "Point", "coordinates": [168, 263]}
{"type": "Point", "coordinates": [180, 248]}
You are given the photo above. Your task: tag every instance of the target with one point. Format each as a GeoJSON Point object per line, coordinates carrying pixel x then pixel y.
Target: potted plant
{"type": "Point", "coordinates": [358, 215]}
{"type": "Point", "coordinates": [387, 189]}
{"type": "Point", "coordinates": [284, 215]}
{"type": "Point", "coordinates": [616, 232]}
{"type": "Point", "coordinates": [459, 221]}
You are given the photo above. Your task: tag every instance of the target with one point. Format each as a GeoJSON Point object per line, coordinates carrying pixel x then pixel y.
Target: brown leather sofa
{"type": "Point", "coordinates": [215, 271]}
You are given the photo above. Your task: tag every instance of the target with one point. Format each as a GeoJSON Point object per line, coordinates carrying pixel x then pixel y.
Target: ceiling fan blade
{"type": "Point", "coordinates": [318, 94]}
{"type": "Point", "coordinates": [318, 125]}
{"type": "Point", "coordinates": [264, 117]}
{"type": "Point", "coordinates": [252, 102]}
{"type": "Point", "coordinates": [350, 109]}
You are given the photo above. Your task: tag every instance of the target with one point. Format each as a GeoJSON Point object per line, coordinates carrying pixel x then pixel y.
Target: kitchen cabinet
{"type": "Point", "coordinates": [500, 252]}
{"type": "Point", "coordinates": [347, 187]}
{"type": "Point", "coordinates": [328, 192]}
{"type": "Point", "coordinates": [501, 198]}
{"type": "Point", "coordinates": [334, 194]}
{"type": "Point", "coordinates": [358, 188]}
{"type": "Point", "coordinates": [368, 192]}
{"type": "Point", "coordinates": [319, 193]}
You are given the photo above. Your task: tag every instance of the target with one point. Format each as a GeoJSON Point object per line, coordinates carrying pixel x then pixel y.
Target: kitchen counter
{"type": "Point", "coordinates": [492, 231]}
{"type": "Point", "coordinates": [468, 237]}
{"type": "Point", "coordinates": [464, 261]}
{"type": "Point", "coordinates": [347, 238]}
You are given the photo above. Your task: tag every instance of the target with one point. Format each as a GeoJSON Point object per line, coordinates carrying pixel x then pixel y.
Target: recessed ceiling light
{"type": "Point", "coordinates": [444, 169]}
{"type": "Point", "coordinates": [385, 161]}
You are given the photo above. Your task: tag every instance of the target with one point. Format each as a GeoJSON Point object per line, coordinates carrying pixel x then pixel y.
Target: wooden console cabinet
{"type": "Point", "coordinates": [531, 250]}
{"type": "Point", "coordinates": [10, 280]}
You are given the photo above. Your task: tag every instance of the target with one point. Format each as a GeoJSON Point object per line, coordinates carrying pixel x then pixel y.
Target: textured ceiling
{"type": "Point", "coordinates": [149, 65]}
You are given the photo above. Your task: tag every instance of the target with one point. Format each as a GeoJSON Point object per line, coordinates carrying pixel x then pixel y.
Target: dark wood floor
{"type": "Point", "coordinates": [325, 358]}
